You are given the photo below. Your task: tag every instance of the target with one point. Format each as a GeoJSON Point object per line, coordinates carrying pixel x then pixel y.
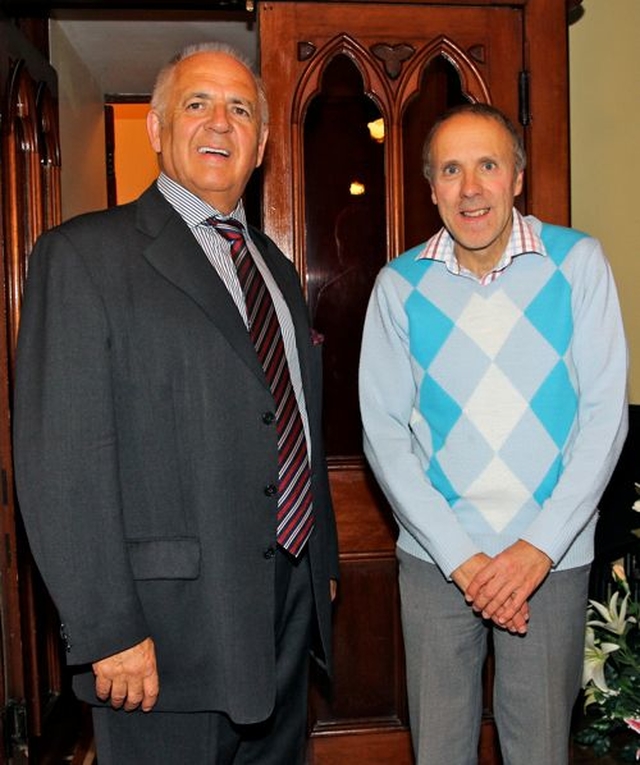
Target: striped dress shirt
{"type": "Point", "coordinates": [195, 212]}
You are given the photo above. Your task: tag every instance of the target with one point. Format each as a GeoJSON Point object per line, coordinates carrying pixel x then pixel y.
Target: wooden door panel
{"type": "Point", "coordinates": [312, 60]}
{"type": "Point", "coordinates": [409, 61]}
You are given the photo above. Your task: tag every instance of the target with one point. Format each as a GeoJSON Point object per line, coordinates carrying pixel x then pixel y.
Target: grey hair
{"type": "Point", "coordinates": [165, 76]}
{"type": "Point", "coordinates": [482, 110]}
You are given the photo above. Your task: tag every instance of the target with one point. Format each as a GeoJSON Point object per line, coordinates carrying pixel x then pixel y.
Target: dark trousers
{"type": "Point", "coordinates": [211, 738]}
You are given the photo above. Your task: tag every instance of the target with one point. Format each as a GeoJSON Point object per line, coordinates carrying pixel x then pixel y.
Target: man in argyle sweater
{"type": "Point", "coordinates": [493, 396]}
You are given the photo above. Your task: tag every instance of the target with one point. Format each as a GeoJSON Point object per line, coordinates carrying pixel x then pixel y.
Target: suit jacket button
{"type": "Point", "coordinates": [269, 553]}
{"type": "Point", "coordinates": [268, 418]}
{"type": "Point", "coordinates": [270, 490]}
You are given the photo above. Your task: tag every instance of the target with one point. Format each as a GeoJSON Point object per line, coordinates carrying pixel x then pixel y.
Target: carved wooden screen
{"type": "Point", "coordinates": [30, 184]}
{"type": "Point", "coordinates": [354, 88]}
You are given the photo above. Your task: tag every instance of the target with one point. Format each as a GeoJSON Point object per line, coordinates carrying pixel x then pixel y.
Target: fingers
{"type": "Point", "coordinates": [150, 692]}
{"type": "Point", "coordinates": [518, 623]}
{"type": "Point", "coordinates": [500, 590]}
{"type": "Point", "coordinates": [500, 602]}
{"type": "Point", "coordinates": [103, 687]}
{"type": "Point", "coordinates": [506, 610]}
{"type": "Point", "coordinates": [129, 679]}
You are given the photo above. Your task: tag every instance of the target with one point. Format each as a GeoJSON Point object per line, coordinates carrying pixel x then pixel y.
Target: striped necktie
{"type": "Point", "coordinates": [295, 519]}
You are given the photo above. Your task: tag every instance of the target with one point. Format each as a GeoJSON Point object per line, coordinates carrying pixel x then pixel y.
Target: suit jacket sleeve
{"type": "Point", "coordinates": [66, 454]}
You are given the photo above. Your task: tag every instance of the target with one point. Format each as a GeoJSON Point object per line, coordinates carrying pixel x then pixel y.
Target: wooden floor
{"type": "Point", "coordinates": [85, 754]}
{"type": "Point", "coordinates": [74, 745]}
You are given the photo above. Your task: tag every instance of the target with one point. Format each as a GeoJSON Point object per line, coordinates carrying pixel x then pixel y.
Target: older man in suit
{"type": "Point", "coordinates": [168, 457]}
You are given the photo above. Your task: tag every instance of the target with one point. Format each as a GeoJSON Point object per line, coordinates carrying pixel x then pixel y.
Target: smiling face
{"type": "Point", "coordinates": [208, 131]}
{"type": "Point", "coordinates": [474, 182]}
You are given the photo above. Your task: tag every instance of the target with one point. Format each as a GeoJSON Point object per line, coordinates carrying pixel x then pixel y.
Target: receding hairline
{"type": "Point", "coordinates": [166, 74]}
{"type": "Point", "coordinates": [485, 111]}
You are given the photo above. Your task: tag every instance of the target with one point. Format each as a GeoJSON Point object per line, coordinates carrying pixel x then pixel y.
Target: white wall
{"type": "Point", "coordinates": [605, 147]}
{"type": "Point", "coordinates": [82, 137]}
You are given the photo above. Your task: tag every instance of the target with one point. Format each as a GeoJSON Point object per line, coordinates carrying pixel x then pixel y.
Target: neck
{"type": "Point", "coordinates": [479, 263]}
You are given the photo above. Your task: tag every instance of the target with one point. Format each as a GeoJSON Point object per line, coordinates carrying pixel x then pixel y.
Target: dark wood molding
{"type": "Point", "coordinates": [31, 16]}
{"type": "Point", "coordinates": [43, 8]}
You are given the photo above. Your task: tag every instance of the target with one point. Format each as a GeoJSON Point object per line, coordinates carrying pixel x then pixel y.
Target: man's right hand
{"type": "Point", "coordinates": [129, 679]}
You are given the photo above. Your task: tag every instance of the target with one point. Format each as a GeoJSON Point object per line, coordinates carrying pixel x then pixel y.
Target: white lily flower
{"type": "Point", "coordinates": [595, 657]}
{"type": "Point", "coordinates": [615, 620]}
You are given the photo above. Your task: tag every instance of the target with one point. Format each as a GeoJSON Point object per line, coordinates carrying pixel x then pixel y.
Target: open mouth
{"type": "Point", "coordinates": [474, 213]}
{"type": "Point", "coordinates": [213, 151]}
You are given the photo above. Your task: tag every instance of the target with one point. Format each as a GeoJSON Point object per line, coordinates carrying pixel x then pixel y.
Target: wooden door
{"type": "Point", "coordinates": [353, 89]}
{"type": "Point", "coordinates": [30, 194]}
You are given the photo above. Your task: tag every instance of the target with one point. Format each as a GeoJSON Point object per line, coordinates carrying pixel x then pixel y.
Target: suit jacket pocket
{"type": "Point", "coordinates": [172, 558]}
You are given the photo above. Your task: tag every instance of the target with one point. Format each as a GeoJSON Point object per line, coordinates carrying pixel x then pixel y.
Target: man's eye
{"type": "Point", "coordinates": [241, 111]}
{"type": "Point", "coordinates": [450, 170]}
{"type": "Point", "coordinates": [194, 106]}
{"type": "Point", "coordinates": [489, 165]}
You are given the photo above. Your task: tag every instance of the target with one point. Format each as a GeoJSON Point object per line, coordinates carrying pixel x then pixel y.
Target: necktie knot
{"type": "Point", "coordinates": [230, 228]}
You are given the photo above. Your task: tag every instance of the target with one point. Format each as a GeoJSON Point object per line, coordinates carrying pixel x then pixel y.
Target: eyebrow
{"type": "Point", "coordinates": [233, 99]}
{"type": "Point", "coordinates": [480, 160]}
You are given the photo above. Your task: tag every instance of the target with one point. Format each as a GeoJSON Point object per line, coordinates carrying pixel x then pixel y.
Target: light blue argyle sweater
{"type": "Point", "coordinates": [496, 412]}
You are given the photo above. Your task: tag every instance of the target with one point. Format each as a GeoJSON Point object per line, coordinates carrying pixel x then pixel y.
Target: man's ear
{"type": "Point", "coordinates": [517, 187]}
{"type": "Point", "coordinates": [153, 130]}
{"type": "Point", "coordinates": [262, 142]}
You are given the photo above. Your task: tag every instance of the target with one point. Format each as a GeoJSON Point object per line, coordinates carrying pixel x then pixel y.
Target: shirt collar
{"type": "Point", "coordinates": [523, 239]}
{"type": "Point", "coordinates": [193, 210]}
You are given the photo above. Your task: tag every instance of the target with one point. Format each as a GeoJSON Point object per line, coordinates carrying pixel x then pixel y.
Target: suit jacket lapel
{"type": "Point", "coordinates": [174, 253]}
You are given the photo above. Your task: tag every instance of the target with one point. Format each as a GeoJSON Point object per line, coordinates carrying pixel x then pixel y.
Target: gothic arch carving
{"type": "Point", "coordinates": [374, 85]}
{"type": "Point", "coordinates": [471, 80]}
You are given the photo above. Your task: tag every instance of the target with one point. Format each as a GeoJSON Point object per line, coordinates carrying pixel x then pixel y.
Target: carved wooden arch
{"type": "Point", "coordinates": [374, 86]}
{"type": "Point", "coordinates": [471, 80]}
{"type": "Point", "coordinates": [23, 200]}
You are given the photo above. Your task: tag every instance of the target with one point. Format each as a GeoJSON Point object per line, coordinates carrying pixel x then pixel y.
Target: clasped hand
{"type": "Point", "coordinates": [499, 588]}
{"type": "Point", "coordinates": [129, 679]}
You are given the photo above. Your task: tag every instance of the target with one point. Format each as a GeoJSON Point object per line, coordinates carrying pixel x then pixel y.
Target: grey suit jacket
{"type": "Point", "coordinates": [143, 452]}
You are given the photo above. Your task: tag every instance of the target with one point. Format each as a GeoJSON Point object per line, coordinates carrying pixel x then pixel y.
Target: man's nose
{"type": "Point", "coordinates": [219, 118]}
{"type": "Point", "coordinates": [470, 184]}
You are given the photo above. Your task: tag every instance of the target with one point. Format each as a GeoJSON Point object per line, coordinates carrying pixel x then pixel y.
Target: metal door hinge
{"type": "Point", "coordinates": [524, 113]}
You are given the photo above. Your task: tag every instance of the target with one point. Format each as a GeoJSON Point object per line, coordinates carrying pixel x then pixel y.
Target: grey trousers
{"type": "Point", "coordinates": [537, 677]}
